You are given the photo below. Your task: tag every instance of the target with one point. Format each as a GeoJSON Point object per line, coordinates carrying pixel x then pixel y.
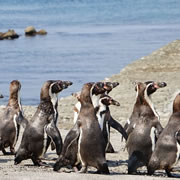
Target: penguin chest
{"type": "Point", "coordinates": [16, 129]}
{"type": "Point", "coordinates": [79, 146]}
{"type": "Point", "coordinates": [100, 116]}
{"type": "Point", "coordinates": [101, 120]}
{"type": "Point", "coordinates": [153, 138]}
{"type": "Point", "coordinates": [177, 153]}
{"type": "Point", "coordinates": [44, 143]}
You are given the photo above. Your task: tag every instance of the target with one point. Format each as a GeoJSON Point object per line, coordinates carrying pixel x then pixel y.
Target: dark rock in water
{"type": "Point", "coordinates": [1, 96]}
{"type": "Point", "coordinates": [42, 32]}
{"type": "Point", "coordinates": [1, 36]}
{"type": "Point", "coordinates": [10, 34]}
{"type": "Point", "coordinates": [30, 31]}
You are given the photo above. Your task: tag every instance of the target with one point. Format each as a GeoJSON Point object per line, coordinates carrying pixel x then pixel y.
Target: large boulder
{"type": "Point", "coordinates": [30, 31]}
{"type": "Point", "coordinates": [10, 34]}
{"type": "Point", "coordinates": [42, 32]}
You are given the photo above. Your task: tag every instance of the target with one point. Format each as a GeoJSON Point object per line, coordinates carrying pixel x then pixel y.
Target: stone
{"type": "Point", "coordinates": [42, 32]}
{"type": "Point", "coordinates": [10, 34]}
{"type": "Point", "coordinates": [30, 31]}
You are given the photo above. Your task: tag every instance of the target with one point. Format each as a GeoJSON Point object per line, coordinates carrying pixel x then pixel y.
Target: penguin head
{"type": "Point", "coordinates": [152, 86]}
{"type": "Point", "coordinates": [176, 103]}
{"type": "Point", "coordinates": [92, 89]}
{"type": "Point", "coordinates": [53, 87]}
{"type": "Point", "coordinates": [107, 100]}
{"type": "Point", "coordinates": [98, 88]}
{"type": "Point", "coordinates": [149, 87]}
{"type": "Point", "coordinates": [15, 87]}
{"type": "Point", "coordinates": [110, 85]}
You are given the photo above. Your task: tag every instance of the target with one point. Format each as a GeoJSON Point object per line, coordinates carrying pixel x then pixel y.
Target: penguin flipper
{"type": "Point", "coordinates": [69, 150]}
{"type": "Point", "coordinates": [116, 125]}
{"type": "Point", "coordinates": [21, 120]}
{"type": "Point", "coordinates": [53, 132]}
{"type": "Point", "coordinates": [72, 136]}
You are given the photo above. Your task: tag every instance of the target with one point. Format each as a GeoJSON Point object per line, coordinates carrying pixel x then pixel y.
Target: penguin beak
{"type": "Point", "coordinates": [113, 102]}
{"type": "Point", "coordinates": [66, 84]}
{"type": "Point", "coordinates": [160, 85]}
{"type": "Point", "coordinates": [69, 83]}
{"type": "Point", "coordinates": [115, 84]}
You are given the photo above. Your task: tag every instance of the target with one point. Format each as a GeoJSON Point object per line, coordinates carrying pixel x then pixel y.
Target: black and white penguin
{"type": "Point", "coordinates": [167, 149]}
{"type": "Point", "coordinates": [106, 118]}
{"type": "Point", "coordinates": [42, 125]}
{"type": "Point", "coordinates": [11, 119]}
{"type": "Point", "coordinates": [87, 124]}
{"type": "Point", "coordinates": [144, 126]}
{"type": "Point", "coordinates": [101, 111]}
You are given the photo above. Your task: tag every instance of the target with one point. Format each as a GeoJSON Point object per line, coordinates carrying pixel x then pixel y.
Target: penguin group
{"type": "Point", "coordinates": [87, 142]}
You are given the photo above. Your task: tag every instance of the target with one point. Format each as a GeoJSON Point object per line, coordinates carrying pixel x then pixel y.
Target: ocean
{"type": "Point", "coordinates": [87, 40]}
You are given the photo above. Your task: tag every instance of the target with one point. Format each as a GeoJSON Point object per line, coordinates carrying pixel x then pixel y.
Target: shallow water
{"type": "Point", "coordinates": [86, 41]}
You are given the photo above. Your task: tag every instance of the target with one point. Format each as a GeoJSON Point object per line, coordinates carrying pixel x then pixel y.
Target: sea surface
{"type": "Point", "coordinates": [87, 40]}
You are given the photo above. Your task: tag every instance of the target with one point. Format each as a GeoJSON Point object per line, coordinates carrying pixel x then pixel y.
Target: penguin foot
{"type": "Point", "coordinates": [57, 166]}
{"type": "Point", "coordinates": [169, 173]}
{"type": "Point", "coordinates": [38, 162]}
{"type": "Point", "coordinates": [7, 153]}
{"type": "Point", "coordinates": [103, 169]}
{"type": "Point", "coordinates": [83, 169]}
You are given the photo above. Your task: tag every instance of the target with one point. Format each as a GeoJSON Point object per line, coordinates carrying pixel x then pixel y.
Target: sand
{"type": "Point", "coordinates": [161, 65]}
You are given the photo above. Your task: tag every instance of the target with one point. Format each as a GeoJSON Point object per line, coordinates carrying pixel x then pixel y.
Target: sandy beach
{"type": "Point", "coordinates": [161, 65]}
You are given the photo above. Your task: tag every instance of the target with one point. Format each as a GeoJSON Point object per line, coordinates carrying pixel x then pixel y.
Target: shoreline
{"type": "Point", "coordinates": [162, 65]}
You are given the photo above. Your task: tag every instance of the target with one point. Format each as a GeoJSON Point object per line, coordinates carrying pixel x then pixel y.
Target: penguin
{"type": "Point", "coordinates": [167, 149]}
{"type": "Point", "coordinates": [72, 142]}
{"type": "Point", "coordinates": [11, 119]}
{"type": "Point", "coordinates": [131, 122]}
{"type": "Point", "coordinates": [144, 127]}
{"type": "Point", "coordinates": [42, 125]}
{"type": "Point", "coordinates": [101, 111]}
{"type": "Point", "coordinates": [108, 118]}
{"type": "Point", "coordinates": [94, 97]}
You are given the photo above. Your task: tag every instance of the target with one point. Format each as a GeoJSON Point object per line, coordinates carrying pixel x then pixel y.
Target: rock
{"type": "Point", "coordinates": [30, 31]}
{"type": "Point", "coordinates": [1, 38]}
{"type": "Point", "coordinates": [10, 34]}
{"type": "Point", "coordinates": [42, 32]}
{"type": "Point", "coordinates": [1, 96]}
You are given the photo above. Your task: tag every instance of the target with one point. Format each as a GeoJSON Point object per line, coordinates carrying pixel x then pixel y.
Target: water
{"type": "Point", "coordinates": [88, 40]}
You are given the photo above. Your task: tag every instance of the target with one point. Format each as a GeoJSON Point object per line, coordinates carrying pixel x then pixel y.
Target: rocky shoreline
{"type": "Point", "coordinates": [161, 65]}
